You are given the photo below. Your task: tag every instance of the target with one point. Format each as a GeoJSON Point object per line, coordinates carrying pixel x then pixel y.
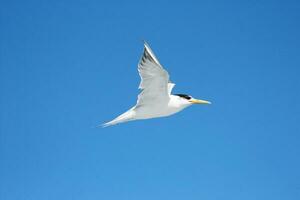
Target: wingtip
{"type": "Point", "coordinates": [145, 43]}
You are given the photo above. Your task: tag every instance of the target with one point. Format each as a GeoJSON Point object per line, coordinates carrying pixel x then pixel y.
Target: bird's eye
{"type": "Point", "coordinates": [185, 96]}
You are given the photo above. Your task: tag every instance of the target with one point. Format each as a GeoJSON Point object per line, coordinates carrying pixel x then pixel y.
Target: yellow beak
{"type": "Point", "coordinates": [198, 101]}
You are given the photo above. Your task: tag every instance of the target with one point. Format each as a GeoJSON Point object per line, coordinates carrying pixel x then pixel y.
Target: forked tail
{"type": "Point", "coordinates": [125, 117]}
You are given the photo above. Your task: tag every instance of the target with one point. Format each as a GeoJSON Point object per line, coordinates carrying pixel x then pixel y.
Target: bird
{"type": "Point", "coordinates": [155, 99]}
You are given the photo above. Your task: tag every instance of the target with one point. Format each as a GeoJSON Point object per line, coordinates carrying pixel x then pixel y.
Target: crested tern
{"type": "Point", "coordinates": [155, 99]}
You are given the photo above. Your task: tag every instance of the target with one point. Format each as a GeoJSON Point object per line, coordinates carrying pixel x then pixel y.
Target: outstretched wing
{"type": "Point", "coordinates": [155, 83]}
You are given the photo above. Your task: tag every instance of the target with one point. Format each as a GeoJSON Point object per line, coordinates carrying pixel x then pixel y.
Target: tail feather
{"type": "Point", "coordinates": [125, 117]}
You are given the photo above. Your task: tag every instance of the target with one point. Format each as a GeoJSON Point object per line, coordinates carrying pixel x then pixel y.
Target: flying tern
{"type": "Point", "coordinates": [155, 99]}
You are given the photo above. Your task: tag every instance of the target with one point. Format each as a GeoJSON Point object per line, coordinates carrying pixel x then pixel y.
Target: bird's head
{"type": "Point", "coordinates": [189, 100]}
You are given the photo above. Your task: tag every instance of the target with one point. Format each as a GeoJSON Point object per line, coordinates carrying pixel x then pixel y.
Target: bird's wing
{"type": "Point", "coordinates": [155, 83]}
{"type": "Point", "coordinates": [170, 87]}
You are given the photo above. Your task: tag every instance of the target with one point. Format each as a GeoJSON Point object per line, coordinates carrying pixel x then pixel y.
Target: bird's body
{"type": "Point", "coordinates": [156, 99]}
{"type": "Point", "coordinates": [163, 109]}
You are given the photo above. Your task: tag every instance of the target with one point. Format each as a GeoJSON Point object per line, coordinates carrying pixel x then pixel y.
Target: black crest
{"type": "Point", "coordinates": [185, 96]}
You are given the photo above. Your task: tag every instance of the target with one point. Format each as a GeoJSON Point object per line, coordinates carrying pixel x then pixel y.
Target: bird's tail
{"type": "Point", "coordinates": [125, 117]}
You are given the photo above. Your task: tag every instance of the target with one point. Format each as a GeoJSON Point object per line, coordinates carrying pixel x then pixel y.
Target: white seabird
{"type": "Point", "coordinates": [155, 99]}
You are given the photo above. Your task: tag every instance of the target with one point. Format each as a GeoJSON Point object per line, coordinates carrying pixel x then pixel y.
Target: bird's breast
{"type": "Point", "coordinates": [157, 110]}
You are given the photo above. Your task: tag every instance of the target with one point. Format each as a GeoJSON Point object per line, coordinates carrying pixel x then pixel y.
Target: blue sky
{"type": "Point", "coordinates": [67, 66]}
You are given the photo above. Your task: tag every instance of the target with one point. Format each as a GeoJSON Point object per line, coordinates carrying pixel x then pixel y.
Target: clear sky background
{"type": "Point", "coordinates": [67, 66]}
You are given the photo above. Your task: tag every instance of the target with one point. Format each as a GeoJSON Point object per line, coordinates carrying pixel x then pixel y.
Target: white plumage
{"type": "Point", "coordinates": [155, 99]}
